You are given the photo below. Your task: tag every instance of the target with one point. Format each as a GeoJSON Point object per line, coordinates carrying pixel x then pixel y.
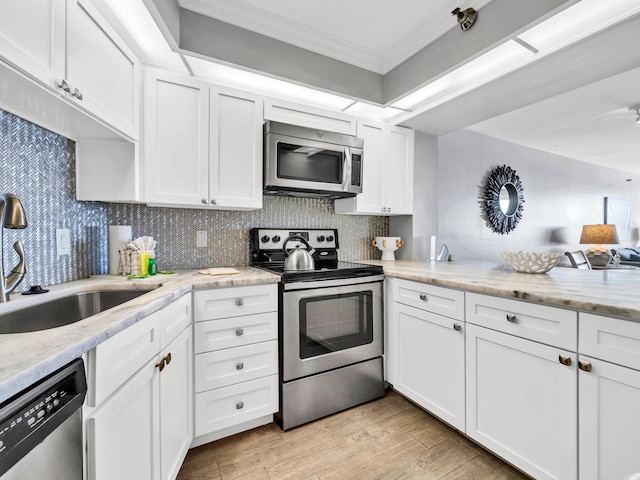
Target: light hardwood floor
{"type": "Point", "coordinates": [390, 438]}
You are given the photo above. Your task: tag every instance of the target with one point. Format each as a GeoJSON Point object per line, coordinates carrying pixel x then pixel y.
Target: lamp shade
{"type": "Point", "coordinates": [599, 234]}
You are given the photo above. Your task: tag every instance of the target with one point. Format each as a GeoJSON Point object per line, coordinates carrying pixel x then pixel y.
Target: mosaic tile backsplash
{"type": "Point", "coordinates": [39, 167]}
{"type": "Point", "coordinates": [228, 231]}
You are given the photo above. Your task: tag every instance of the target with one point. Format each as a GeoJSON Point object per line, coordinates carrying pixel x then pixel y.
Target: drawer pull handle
{"type": "Point", "coordinates": [564, 360]}
{"type": "Point", "coordinates": [585, 366]}
{"type": "Point", "coordinates": [457, 327]}
{"type": "Point", "coordinates": [239, 332]}
{"type": "Point", "coordinates": [239, 405]}
{"type": "Point", "coordinates": [423, 297]}
{"type": "Point", "coordinates": [239, 302]}
{"type": "Point", "coordinates": [239, 366]}
{"type": "Point", "coordinates": [511, 318]}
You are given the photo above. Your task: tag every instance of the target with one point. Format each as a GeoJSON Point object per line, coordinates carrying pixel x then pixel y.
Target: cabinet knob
{"type": "Point", "coordinates": [239, 302]}
{"type": "Point", "coordinates": [204, 201]}
{"type": "Point", "coordinates": [239, 332]}
{"type": "Point", "coordinates": [160, 365]}
{"type": "Point", "coordinates": [239, 366]}
{"type": "Point", "coordinates": [585, 366]}
{"type": "Point", "coordinates": [564, 360]}
{"type": "Point", "coordinates": [213, 202]}
{"type": "Point", "coordinates": [239, 405]}
{"type": "Point", "coordinates": [63, 85]}
{"type": "Point", "coordinates": [168, 358]}
{"type": "Point", "coordinates": [423, 297]}
{"type": "Point", "coordinates": [457, 327]}
{"type": "Point", "coordinates": [388, 209]}
{"type": "Point", "coordinates": [384, 209]}
{"type": "Point", "coordinates": [77, 93]}
{"type": "Point", "coordinates": [511, 318]}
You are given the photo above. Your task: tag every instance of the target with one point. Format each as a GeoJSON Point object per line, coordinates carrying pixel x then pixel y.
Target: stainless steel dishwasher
{"type": "Point", "coordinates": [41, 428]}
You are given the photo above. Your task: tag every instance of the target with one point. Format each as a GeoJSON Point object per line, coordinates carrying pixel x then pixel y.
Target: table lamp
{"type": "Point", "coordinates": [598, 235]}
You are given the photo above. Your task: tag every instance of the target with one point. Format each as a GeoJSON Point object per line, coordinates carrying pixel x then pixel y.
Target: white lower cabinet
{"type": "Point", "coordinates": [236, 360]}
{"type": "Point", "coordinates": [522, 402]}
{"type": "Point", "coordinates": [141, 426]}
{"type": "Point", "coordinates": [427, 349]}
{"type": "Point", "coordinates": [609, 395]}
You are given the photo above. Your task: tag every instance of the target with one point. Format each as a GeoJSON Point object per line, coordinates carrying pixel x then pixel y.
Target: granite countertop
{"type": "Point", "coordinates": [613, 292]}
{"type": "Point", "coordinates": [27, 357]}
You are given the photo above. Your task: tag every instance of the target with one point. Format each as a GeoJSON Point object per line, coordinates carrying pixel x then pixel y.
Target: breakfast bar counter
{"type": "Point", "coordinates": [604, 292]}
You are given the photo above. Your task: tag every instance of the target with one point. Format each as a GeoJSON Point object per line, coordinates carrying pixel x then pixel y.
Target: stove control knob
{"type": "Point", "coordinates": [276, 239]}
{"type": "Point", "coordinates": [265, 239]}
{"type": "Point", "coordinates": [321, 238]}
{"type": "Point", "coordinates": [330, 238]}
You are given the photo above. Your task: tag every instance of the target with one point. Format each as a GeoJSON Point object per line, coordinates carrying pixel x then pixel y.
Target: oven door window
{"type": "Point", "coordinates": [310, 163]}
{"type": "Point", "coordinates": [335, 322]}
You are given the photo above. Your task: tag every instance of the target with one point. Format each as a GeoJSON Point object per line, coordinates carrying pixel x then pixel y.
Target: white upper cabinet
{"type": "Point", "coordinates": [235, 175]}
{"type": "Point", "coordinates": [32, 37]}
{"type": "Point", "coordinates": [387, 185]}
{"type": "Point", "coordinates": [202, 144]}
{"type": "Point", "coordinates": [307, 116]}
{"type": "Point", "coordinates": [101, 71]}
{"type": "Point", "coordinates": [70, 49]}
{"type": "Point", "coordinates": [176, 140]}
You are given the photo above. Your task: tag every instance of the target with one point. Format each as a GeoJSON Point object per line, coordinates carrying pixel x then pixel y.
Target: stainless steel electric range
{"type": "Point", "coordinates": [330, 326]}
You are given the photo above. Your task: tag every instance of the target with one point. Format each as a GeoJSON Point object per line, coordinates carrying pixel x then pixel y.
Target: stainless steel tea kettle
{"type": "Point", "coordinates": [298, 259]}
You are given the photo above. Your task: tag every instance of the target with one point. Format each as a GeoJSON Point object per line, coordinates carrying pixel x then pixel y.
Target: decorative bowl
{"type": "Point", "coordinates": [531, 262]}
{"type": "Point", "coordinates": [388, 245]}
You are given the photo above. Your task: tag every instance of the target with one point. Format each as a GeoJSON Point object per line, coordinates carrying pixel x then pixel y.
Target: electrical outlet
{"type": "Point", "coordinates": [201, 239]}
{"type": "Point", "coordinates": [63, 241]}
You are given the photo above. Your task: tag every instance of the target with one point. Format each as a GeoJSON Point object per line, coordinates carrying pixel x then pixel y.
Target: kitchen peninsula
{"type": "Point", "coordinates": [605, 292]}
{"type": "Point", "coordinates": [541, 369]}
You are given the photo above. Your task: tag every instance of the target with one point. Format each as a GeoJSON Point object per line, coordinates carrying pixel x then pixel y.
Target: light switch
{"type": "Point", "coordinates": [201, 239]}
{"type": "Point", "coordinates": [63, 241]}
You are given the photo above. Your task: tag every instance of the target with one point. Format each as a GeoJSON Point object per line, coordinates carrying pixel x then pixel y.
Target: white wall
{"type": "Point", "coordinates": [416, 230]}
{"type": "Point", "coordinates": [561, 195]}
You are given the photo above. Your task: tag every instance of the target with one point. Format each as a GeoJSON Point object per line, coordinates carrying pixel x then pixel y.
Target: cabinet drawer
{"type": "Point", "coordinates": [235, 365]}
{"type": "Point", "coordinates": [234, 302]}
{"type": "Point", "coordinates": [174, 319]}
{"type": "Point", "coordinates": [115, 360]}
{"type": "Point", "coordinates": [235, 331]}
{"type": "Point", "coordinates": [229, 406]}
{"type": "Point", "coordinates": [442, 301]}
{"type": "Point", "coordinates": [549, 325]}
{"type": "Point", "coordinates": [610, 339]}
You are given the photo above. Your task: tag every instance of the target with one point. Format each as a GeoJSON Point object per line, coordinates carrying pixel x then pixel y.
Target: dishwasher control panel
{"type": "Point", "coordinates": [31, 415]}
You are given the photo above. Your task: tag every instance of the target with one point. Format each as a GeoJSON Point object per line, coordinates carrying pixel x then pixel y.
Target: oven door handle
{"type": "Point", "coordinates": [334, 282]}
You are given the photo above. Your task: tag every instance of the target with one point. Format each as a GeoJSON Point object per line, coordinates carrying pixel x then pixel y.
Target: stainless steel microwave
{"type": "Point", "coordinates": [305, 162]}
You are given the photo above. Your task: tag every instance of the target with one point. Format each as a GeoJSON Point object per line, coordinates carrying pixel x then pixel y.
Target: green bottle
{"type": "Point", "coordinates": [153, 269]}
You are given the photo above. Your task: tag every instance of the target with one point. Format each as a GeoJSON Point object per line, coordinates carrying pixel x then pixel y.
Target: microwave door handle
{"type": "Point", "coordinates": [346, 176]}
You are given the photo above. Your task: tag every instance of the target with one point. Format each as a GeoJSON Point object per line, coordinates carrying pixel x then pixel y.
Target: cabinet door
{"type": "Point", "coordinates": [398, 171]}
{"type": "Point", "coordinates": [123, 434]}
{"type": "Point", "coordinates": [429, 362]}
{"type": "Point", "coordinates": [176, 141]}
{"type": "Point", "coordinates": [236, 149]}
{"type": "Point", "coordinates": [609, 422]}
{"type": "Point", "coordinates": [371, 200]}
{"type": "Point", "coordinates": [32, 38]}
{"type": "Point", "coordinates": [102, 68]}
{"type": "Point", "coordinates": [176, 404]}
{"type": "Point", "coordinates": [522, 402]}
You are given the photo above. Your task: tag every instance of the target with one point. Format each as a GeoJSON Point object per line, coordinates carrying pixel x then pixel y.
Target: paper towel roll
{"type": "Point", "coordinates": [117, 235]}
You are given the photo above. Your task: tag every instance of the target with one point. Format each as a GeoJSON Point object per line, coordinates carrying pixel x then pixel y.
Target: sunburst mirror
{"type": "Point", "coordinates": [503, 200]}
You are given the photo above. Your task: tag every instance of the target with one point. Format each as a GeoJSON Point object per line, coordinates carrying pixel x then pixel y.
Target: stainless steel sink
{"type": "Point", "coordinates": [64, 310]}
